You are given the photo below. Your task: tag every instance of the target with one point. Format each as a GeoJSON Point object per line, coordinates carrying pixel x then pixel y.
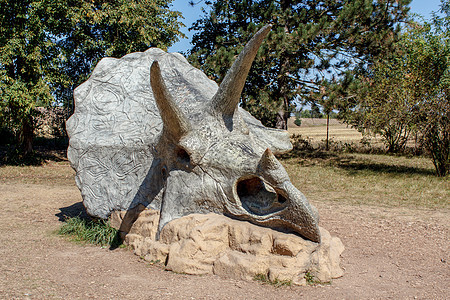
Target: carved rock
{"type": "Point", "coordinates": [215, 244]}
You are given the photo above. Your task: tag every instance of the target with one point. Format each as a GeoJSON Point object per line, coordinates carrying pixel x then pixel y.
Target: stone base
{"type": "Point", "coordinates": [214, 244]}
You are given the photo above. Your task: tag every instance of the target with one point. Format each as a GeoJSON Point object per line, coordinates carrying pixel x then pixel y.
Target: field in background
{"type": "Point", "coordinates": [316, 130]}
{"type": "Point", "coordinates": [369, 179]}
{"type": "Point", "coordinates": [355, 178]}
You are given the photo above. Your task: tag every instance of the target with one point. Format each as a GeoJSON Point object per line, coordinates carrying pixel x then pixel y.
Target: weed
{"type": "Point", "coordinates": [153, 262]}
{"type": "Point", "coordinates": [93, 231]}
{"type": "Point", "coordinates": [276, 282]}
{"type": "Point", "coordinates": [311, 280]}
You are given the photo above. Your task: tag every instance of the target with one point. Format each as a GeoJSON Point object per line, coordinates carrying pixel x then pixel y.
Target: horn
{"type": "Point", "coordinates": [175, 122]}
{"type": "Point", "coordinates": [269, 161]}
{"type": "Point", "coordinates": [226, 99]}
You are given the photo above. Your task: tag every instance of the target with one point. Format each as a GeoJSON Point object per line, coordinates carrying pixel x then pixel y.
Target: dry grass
{"type": "Point", "coordinates": [369, 179]}
{"type": "Point", "coordinates": [316, 131]}
{"type": "Point", "coordinates": [51, 173]}
{"type": "Point", "coordinates": [381, 180]}
{"type": "Point", "coordinates": [338, 132]}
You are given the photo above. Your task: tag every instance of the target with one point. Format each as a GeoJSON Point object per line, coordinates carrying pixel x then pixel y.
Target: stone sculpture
{"type": "Point", "coordinates": [180, 144]}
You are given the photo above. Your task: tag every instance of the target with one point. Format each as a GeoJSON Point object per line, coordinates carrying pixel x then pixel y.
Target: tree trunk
{"type": "Point", "coordinates": [26, 136]}
{"type": "Point", "coordinates": [283, 113]}
{"type": "Point", "coordinates": [328, 126]}
{"type": "Point", "coordinates": [282, 119]}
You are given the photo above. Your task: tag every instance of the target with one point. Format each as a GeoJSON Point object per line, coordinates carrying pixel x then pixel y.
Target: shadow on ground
{"type": "Point", "coordinates": [354, 165]}
{"type": "Point", "coordinates": [10, 156]}
{"type": "Point", "coordinates": [74, 210]}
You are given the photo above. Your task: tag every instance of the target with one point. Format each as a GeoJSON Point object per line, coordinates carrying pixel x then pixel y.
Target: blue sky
{"type": "Point", "coordinates": [191, 14]}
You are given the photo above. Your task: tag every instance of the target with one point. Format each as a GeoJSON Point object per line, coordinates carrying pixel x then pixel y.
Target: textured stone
{"type": "Point", "coordinates": [214, 244]}
{"type": "Point", "coordinates": [149, 129]}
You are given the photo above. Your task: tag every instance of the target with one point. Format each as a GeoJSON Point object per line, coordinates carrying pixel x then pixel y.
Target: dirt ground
{"type": "Point", "coordinates": [390, 254]}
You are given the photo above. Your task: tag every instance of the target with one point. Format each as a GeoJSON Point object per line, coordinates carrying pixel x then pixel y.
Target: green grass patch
{"type": "Point", "coordinates": [276, 283]}
{"type": "Point", "coordinates": [97, 232]}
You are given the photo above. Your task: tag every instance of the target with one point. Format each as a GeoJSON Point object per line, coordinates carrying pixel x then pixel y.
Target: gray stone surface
{"type": "Point", "coordinates": [180, 144]}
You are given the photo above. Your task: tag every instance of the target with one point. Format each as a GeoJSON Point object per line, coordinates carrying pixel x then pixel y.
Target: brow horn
{"type": "Point", "coordinates": [175, 123]}
{"type": "Point", "coordinates": [226, 100]}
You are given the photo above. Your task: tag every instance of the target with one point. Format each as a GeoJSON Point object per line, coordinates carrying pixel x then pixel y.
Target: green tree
{"type": "Point", "coordinates": [382, 105]}
{"type": "Point", "coordinates": [101, 28]}
{"type": "Point", "coordinates": [310, 40]}
{"type": "Point", "coordinates": [27, 54]}
{"type": "Point", "coordinates": [428, 60]}
{"type": "Point", "coordinates": [49, 46]}
{"type": "Point", "coordinates": [408, 92]}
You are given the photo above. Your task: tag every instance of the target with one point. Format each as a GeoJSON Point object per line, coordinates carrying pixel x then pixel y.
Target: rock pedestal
{"type": "Point", "coordinates": [215, 244]}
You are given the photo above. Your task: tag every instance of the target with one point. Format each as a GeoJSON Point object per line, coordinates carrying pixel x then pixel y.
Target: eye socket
{"type": "Point", "coordinates": [183, 156]}
{"type": "Point", "coordinates": [281, 199]}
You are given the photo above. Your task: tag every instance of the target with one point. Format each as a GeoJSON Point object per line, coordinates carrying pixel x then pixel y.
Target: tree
{"type": "Point", "coordinates": [309, 41]}
{"type": "Point", "coordinates": [102, 28]}
{"type": "Point", "coordinates": [49, 46]}
{"type": "Point", "coordinates": [382, 104]}
{"type": "Point", "coordinates": [26, 56]}
{"type": "Point", "coordinates": [408, 92]}
{"type": "Point", "coordinates": [428, 56]}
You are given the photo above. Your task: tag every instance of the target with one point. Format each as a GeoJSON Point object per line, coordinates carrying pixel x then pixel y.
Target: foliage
{"type": "Point", "coordinates": [409, 93]}
{"type": "Point", "coordinates": [47, 47]}
{"type": "Point", "coordinates": [276, 282]}
{"type": "Point", "coordinates": [97, 232]}
{"type": "Point", "coordinates": [382, 106]}
{"type": "Point", "coordinates": [309, 41]}
{"type": "Point", "coordinates": [26, 50]}
{"type": "Point", "coordinates": [298, 120]}
{"type": "Point", "coordinates": [101, 28]}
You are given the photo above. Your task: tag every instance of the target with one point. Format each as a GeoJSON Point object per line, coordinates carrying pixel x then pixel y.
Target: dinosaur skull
{"type": "Point", "coordinates": [180, 144]}
{"type": "Point", "coordinates": [211, 162]}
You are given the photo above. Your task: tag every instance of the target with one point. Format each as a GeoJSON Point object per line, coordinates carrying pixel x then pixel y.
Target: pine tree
{"type": "Point", "coordinates": [310, 42]}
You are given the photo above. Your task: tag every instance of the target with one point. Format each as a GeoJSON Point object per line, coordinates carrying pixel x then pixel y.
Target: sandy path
{"type": "Point", "coordinates": [390, 254]}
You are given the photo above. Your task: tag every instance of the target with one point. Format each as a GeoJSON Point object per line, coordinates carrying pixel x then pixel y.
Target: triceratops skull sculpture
{"type": "Point", "coordinates": [182, 147]}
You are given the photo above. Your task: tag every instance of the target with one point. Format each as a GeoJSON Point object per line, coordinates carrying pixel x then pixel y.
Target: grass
{"type": "Point", "coordinates": [380, 180]}
{"type": "Point", "coordinates": [311, 280]}
{"type": "Point", "coordinates": [97, 232]}
{"type": "Point", "coordinates": [276, 283]}
{"type": "Point", "coordinates": [370, 179]}
{"type": "Point", "coordinates": [50, 173]}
